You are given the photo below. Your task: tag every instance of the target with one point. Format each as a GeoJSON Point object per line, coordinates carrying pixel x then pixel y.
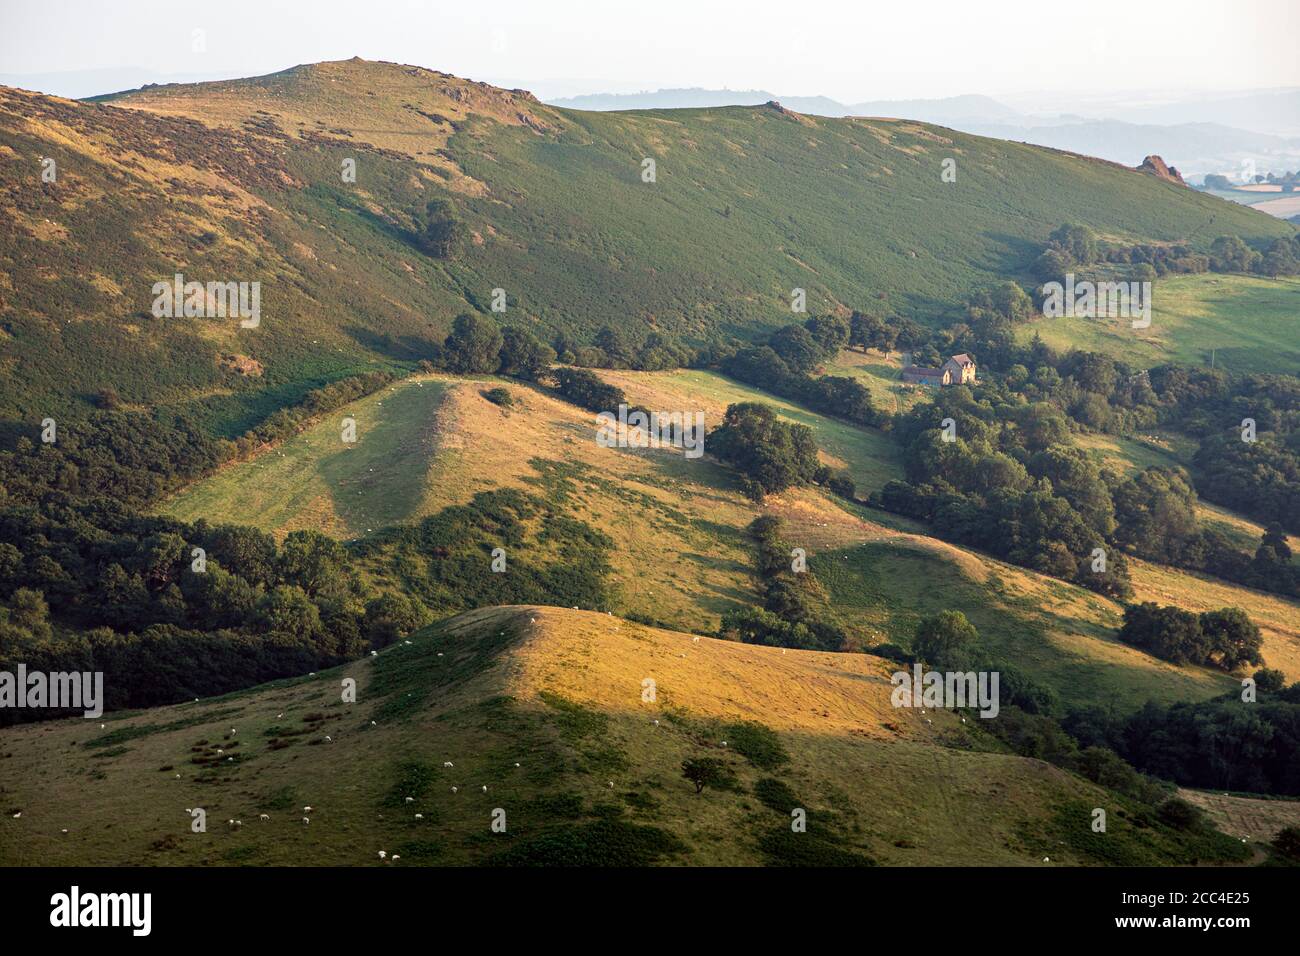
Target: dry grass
{"type": "Point", "coordinates": [1255, 820]}
{"type": "Point", "coordinates": [875, 771]}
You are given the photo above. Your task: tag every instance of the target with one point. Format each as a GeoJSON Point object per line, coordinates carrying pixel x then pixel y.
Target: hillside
{"type": "Point", "coordinates": [543, 707]}
{"type": "Point", "coordinates": [680, 552]}
{"type": "Point", "coordinates": [241, 181]}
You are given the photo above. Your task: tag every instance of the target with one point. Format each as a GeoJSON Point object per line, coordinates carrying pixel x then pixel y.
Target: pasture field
{"type": "Point", "coordinates": [538, 712]}
{"type": "Point", "coordinates": [1251, 324]}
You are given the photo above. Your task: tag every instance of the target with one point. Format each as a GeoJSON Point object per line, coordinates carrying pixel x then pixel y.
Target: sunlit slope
{"type": "Point", "coordinates": [680, 550]}
{"type": "Point", "coordinates": [544, 708]}
{"type": "Point", "coordinates": [884, 573]}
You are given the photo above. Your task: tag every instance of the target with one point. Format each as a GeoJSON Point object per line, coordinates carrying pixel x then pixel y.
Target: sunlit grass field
{"type": "Point", "coordinates": [1242, 323]}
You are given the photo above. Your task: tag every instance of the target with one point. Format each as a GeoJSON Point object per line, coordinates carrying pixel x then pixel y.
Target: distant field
{"type": "Point", "coordinates": [868, 455]}
{"type": "Point", "coordinates": [880, 375]}
{"type": "Point", "coordinates": [1251, 324]}
{"type": "Point", "coordinates": [1128, 455]}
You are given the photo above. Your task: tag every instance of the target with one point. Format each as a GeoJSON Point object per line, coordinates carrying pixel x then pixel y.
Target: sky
{"type": "Point", "coordinates": [851, 50]}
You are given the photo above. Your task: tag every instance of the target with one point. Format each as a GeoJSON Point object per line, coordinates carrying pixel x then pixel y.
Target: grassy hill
{"type": "Point", "coordinates": [241, 181]}
{"type": "Point", "coordinates": [680, 551]}
{"type": "Point", "coordinates": [544, 708]}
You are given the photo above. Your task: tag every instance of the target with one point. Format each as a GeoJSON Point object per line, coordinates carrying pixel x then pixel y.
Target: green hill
{"type": "Point", "coordinates": [242, 181]}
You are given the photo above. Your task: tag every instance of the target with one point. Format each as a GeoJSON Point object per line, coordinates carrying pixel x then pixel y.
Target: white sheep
{"type": "Point", "coordinates": [264, 817]}
{"type": "Point", "coordinates": [419, 816]}
{"type": "Point", "coordinates": [395, 858]}
{"type": "Point", "coordinates": [454, 789]}
{"type": "Point", "coordinates": [485, 788]}
{"type": "Point", "coordinates": [329, 739]}
{"type": "Point", "coordinates": [383, 855]}
{"type": "Point", "coordinates": [516, 763]}
{"type": "Point", "coordinates": [410, 799]}
{"type": "Point", "coordinates": [306, 809]}
{"type": "Point", "coordinates": [446, 763]}
{"type": "Point", "coordinates": [305, 821]}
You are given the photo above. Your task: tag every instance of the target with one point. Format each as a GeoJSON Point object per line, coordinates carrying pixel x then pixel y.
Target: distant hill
{"type": "Point", "coordinates": [1193, 145]}
{"type": "Point", "coordinates": [241, 181]}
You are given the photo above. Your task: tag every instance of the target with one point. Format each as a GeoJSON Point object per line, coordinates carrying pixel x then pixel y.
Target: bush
{"type": "Point", "coordinates": [499, 396]}
{"type": "Point", "coordinates": [708, 772]}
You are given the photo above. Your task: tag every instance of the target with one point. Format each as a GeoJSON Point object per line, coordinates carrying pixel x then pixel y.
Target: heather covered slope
{"type": "Point", "coordinates": [241, 181]}
{"type": "Point", "coordinates": [545, 709]}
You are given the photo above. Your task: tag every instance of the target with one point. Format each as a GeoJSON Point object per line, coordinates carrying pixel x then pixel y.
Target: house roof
{"type": "Point", "coordinates": [963, 359]}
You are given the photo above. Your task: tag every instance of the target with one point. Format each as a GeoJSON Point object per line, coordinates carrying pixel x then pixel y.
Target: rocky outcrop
{"type": "Point", "coordinates": [1156, 167]}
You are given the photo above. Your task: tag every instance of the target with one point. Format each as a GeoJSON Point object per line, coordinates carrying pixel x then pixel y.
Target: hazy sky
{"type": "Point", "coordinates": [852, 50]}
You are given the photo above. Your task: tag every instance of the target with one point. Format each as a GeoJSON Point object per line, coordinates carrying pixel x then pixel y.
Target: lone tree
{"type": "Point", "coordinates": [945, 640]}
{"type": "Point", "coordinates": [474, 345]}
{"type": "Point", "coordinates": [444, 233]}
{"type": "Point", "coordinates": [707, 772]}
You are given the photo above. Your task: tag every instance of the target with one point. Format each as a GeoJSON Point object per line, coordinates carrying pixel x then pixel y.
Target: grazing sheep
{"type": "Point", "coordinates": [695, 640]}
{"type": "Point", "coordinates": [374, 653]}
{"type": "Point", "coordinates": [446, 763]}
{"type": "Point", "coordinates": [419, 816]}
{"type": "Point", "coordinates": [516, 764]}
{"type": "Point", "coordinates": [306, 809]}
{"type": "Point", "coordinates": [656, 723]}
{"type": "Point", "coordinates": [410, 799]}
{"type": "Point", "coordinates": [611, 785]}
{"type": "Point", "coordinates": [396, 857]}
{"type": "Point", "coordinates": [383, 855]}
{"type": "Point", "coordinates": [1047, 859]}
{"type": "Point", "coordinates": [18, 814]}
{"type": "Point", "coordinates": [63, 831]}
{"type": "Point", "coordinates": [329, 739]}
{"type": "Point", "coordinates": [305, 821]}
{"type": "Point", "coordinates": [485, 788]}
{"type": "Point", "coordinates": [264, 817]}
{"type": "Point", "coordinates": [453, 789]}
